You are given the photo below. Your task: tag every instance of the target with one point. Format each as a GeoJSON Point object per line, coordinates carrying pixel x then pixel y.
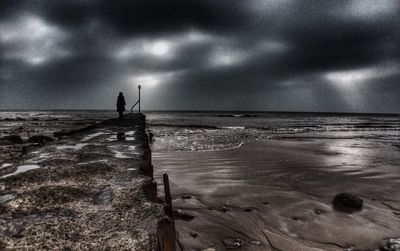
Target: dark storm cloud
{"type": "Point", "coordinates": [202, 54]}
{"type": "Point", "coordinates": [133, 17]}
{"type": "Point", "coordinates": [9, 7]}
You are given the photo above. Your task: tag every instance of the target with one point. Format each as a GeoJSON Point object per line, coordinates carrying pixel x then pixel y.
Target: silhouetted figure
{"type": "Point", "coordinates": [121, 105]}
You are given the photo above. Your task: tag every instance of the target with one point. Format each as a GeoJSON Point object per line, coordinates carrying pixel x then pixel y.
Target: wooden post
{"type": "Point", "coordinates": [168, 199]}
{"type": "Point", "coordinates": [166, 228]}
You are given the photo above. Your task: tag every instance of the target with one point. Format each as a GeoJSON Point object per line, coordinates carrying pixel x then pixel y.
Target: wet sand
{"type": "Point", "coordinates": [277, 195]}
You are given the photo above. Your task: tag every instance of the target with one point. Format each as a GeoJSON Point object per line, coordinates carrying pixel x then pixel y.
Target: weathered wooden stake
{"type": "Point", "coordinates": [167, 232]}
{"type": "Point", "coordinates": [168, 199]}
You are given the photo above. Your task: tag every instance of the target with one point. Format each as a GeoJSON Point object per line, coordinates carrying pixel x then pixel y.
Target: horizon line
{"type": "Point", "coordinates": [209, 111]}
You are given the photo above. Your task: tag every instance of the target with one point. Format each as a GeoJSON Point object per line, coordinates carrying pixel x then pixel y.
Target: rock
{"type": "Point", "coordinates": [319, 211]}
{"type": "Point", "coordinates": [16, 139]}
{"type": "Point", "coordinates": [224, 209]}
{"type": "Point", "coordinates": [180, 215]}
{"type": "Point", "coordinates": [348, 203]}
{"type": "Point", "coordinates": [237, 243]}
{"type": "Point", "coordinates": [193, 234]}
{"type": "Point", "coordinates": [40, 139]}
{"type": "Point", "coordinates": [232, 243]}
{"type": "Point", "coordinates": [247, 209]}
{"type": "Point", "coordinates": [391, 245]}
{"type": "Point", "coordinates": [186, 196]}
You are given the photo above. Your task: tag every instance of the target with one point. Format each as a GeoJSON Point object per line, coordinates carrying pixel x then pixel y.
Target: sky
{"type": "Point", "coordinates": [249, 55]}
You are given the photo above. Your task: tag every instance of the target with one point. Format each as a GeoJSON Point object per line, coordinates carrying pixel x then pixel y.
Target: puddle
{"type": "Point", "coordinates": [130, 133]}
{"type": "Point", "coordinates": [4, 165]}
{"type": "Point", "coordinates": [93, 161]}
{"type": "Point", "coordinates": [75, 147]}
{"type": "Point", "coordinates": [91, 136]}
{"type": "Point", "coordinates": [112, 138]}
{"type": "Point", "coordinates": [121, 155]}
{"type": "Point", "coordinates": [6, 197]}
{"type": "Point", "coordinates": [21, 169]}
{"type": "Point", "coordinates": [44, 155]}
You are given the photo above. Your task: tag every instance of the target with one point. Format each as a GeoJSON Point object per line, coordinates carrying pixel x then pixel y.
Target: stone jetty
{"type": "Point", "coordinates": [91, 189]}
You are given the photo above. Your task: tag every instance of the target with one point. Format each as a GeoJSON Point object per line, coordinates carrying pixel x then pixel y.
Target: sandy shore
{"type": "Point", "coordinates": [277, 195]}
{"type": "Point", "coordinates": [85, 191]}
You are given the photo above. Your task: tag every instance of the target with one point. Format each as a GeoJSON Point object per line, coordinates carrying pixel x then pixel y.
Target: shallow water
{"type": "Point", "coordinates": [213, 131]}
{"type": "Point", "coordinates": [21, 169]}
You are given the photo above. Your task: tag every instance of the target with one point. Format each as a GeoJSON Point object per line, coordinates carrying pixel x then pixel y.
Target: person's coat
{"type": "Point", "coordinates": [121, 103]}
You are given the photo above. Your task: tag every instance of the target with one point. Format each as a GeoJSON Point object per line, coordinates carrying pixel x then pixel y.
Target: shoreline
{"type": "Point", "coordinates": [89, 189]}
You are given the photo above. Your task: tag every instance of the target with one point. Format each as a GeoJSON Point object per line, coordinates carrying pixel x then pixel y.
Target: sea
{"type": "Point", "coordinates": [205, 131]}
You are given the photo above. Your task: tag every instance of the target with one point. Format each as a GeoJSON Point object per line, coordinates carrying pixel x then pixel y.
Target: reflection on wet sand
{"type": "Point", "coordinates": [278, 194]}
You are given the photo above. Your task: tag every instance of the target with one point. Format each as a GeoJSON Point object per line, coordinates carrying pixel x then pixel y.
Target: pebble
{"type": "Point", "coordinates": [193, 234]}
{"type": "Point", "coordinates": [224, 209]}
{"type": "Point", "coordinates": [179, 214]}
{"type": "Point", "coordinates": [238, 243]}
{"type": "Point", "coordinates": [319, 211]}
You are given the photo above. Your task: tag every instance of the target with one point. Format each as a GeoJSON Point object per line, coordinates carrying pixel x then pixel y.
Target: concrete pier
{"type": "Point", "coordinates": [92, 189]}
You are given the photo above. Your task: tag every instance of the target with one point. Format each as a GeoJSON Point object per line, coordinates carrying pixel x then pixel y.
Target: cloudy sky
{"type": "Point", "coordinates": [272, 55]}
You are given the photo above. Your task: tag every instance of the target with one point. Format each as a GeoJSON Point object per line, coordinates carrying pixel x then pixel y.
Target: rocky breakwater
{"type": "Point", "coordinates": [92, 189]}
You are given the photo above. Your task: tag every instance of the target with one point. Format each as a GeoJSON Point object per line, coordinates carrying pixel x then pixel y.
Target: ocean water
{"type": "Point", "coordinates": [202, 131]}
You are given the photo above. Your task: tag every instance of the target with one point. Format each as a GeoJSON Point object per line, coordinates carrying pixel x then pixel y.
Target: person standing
{"type": "Point", "coordinates": [121, 105]}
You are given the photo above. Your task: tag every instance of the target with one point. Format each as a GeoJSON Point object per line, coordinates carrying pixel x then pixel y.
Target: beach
{"type": "Point", "coordinates": [253, 189]}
